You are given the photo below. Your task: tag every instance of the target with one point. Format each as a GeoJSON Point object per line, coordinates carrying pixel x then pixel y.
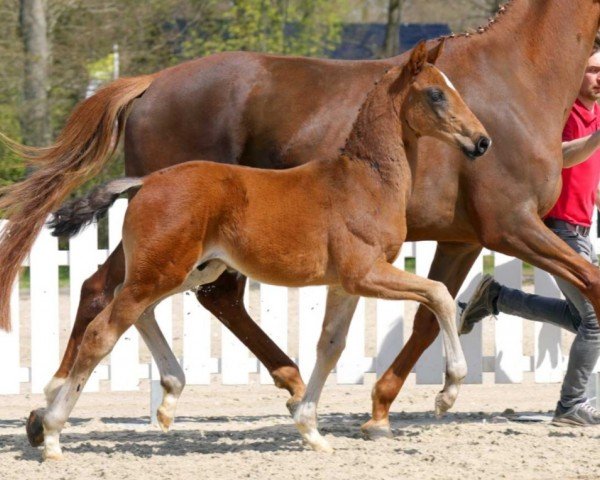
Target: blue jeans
{"type": "Point", "coordinates": [575, 314]}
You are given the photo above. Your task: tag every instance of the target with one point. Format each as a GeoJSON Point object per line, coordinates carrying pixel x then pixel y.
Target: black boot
{"type": "Point", "coordinates": [481, 305]}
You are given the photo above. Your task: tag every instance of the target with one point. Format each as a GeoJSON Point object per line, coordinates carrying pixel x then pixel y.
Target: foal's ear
{"type": "Point", "coordinates": [418, 58]}
{"type": "Point", "coordinates": [435, 52]}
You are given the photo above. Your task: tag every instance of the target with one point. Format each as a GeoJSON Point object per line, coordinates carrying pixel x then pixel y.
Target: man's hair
{"type": "Point", "coordinates": [596, 47]}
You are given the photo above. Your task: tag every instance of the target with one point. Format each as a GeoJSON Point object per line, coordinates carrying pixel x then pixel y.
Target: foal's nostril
{"type": "Point", "coordinates": [482, 145]}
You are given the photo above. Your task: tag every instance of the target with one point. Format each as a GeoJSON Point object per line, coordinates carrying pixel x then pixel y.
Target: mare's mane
{"type": "Point", "coordinates": [492, 21]}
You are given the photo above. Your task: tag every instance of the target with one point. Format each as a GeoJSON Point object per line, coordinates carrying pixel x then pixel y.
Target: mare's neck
{"type": "Point", "coordinates": [376, 139]}
{"type": "Point", "coordinates": [546, 43]}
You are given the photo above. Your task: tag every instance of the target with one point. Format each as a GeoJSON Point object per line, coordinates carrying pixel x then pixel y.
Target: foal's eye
{"type": "Point", "coordinates": [436, 95]}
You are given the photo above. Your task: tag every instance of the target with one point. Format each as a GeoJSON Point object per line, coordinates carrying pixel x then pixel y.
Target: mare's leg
{"type": "Point", "coordinates": [450, 266]}
{"type": "Point", "coordinates": [224, 299]}
{"type": "Point", "coordinates": [338, 314]}
{"type": "Point", "coordinates": [172, 378]}
{"type": "Point", "coordinates": [576, 265]}
{"type": "Point", "coordinates": [530, 240]}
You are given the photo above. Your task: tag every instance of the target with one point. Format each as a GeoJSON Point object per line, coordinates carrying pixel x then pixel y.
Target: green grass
{"type": "Point", "coordinates": [488, 267]}
{"type": "Point", "coordinates": [488, 264]}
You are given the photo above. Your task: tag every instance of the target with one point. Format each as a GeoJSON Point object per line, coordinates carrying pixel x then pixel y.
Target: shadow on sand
{"type": "Point", "coordinates": [211, 438]}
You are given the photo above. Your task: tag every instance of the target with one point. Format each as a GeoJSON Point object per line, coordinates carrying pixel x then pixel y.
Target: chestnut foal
{"type": "Point", "coordinates": [338, 223]}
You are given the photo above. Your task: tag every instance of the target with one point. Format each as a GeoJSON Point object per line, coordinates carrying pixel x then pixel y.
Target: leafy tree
{"type": "Point", "coordinates": [485, 7]}
{"type": "Point", "coordinates": [81, 33]}
{"type": "Point", "coordinates": [11, 86]}
{"type": "Point", "coordinates": [309, 27]}
{"type": "Point", "coordinates": [155, 34]}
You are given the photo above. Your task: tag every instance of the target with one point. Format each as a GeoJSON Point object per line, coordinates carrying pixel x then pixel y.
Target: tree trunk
{"type": "Point", "coordinates": [392, 33]}
{"type": "Point", "coordinates": [35, 123]}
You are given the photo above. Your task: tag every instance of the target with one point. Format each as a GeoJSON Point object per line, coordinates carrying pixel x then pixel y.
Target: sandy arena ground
{"type": "Point", "coordinates": [245, 432]}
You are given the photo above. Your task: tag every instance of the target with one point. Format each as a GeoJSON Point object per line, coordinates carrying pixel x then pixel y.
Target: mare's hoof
{"type": "Point", "coordinates": [35, 427]}
{"type": "Point", "coordinates": [376, 430]}
{"type": "Point", "coordinates": [292, 405]}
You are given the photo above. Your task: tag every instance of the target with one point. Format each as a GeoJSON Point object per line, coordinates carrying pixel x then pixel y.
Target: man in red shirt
{"type": "Point", "coordinates": [570, 219]}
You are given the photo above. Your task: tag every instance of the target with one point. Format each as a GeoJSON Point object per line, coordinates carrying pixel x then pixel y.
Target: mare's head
{"type": "Point", "coordinates": [433, 107]}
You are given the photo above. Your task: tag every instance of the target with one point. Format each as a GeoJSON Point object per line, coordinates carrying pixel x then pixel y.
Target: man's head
{"type": "Point", "coordinates": [590, 86]}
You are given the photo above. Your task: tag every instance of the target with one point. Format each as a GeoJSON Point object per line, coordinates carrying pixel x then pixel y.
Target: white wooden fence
{"type": "Point", "coordinates": [235, 365]}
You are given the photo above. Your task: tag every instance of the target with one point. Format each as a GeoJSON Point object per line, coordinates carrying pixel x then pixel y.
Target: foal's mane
{"type": "Point", "coordinates": [376, 134]}
{"type": "Point", "coordinates": [396, 74]}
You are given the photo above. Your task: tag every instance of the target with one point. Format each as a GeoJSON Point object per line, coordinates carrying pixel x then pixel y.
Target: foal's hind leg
{"type": "Point", "coordinates": [172, 378]}
{"type": "Point", "coordinates": [386, 281]}
{"type": "Point", "coordinates": [224, 299]}
{"type": "Point", "coordinates": [96, 292]}
{"type": "Point", "coordinates": [102, 334]}
{"type": "Point", "coordinates": [98, 340]}
{"type": "Point", "coordinates": [338, 314]}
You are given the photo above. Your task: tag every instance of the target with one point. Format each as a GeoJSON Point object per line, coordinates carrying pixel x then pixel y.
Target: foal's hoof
{"type": "Point", "coordinates": [35, 428]}
{"type": "Point", "coordinates": [443, 403]}
{"type": "Point", "coordinates": [314, 440]}
{"type": "Point", "coordinates": [164, 420]}
{"type": "Point", "coordinates": [321, 445]}
{"type": "Point", "coordinates": [376, 430]}
{"type": "Point", "coordinates": [54, 454]}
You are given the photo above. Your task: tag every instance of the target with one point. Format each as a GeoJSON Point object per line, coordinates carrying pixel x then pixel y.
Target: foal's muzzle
{"type": "Point", "coordinates": [482, 145]}
{"type": "Point", "coordinates": [478, 148]}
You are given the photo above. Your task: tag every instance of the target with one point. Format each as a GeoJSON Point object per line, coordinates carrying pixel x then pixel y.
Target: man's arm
{"type": "Point", "coordinates": [580, 149]}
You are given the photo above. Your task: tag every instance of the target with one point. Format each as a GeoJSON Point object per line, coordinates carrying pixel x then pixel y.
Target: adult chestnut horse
{"type": "Point", "coordinates": [520, 75]}
{"type": "Point", "coordinates": [187, 224]}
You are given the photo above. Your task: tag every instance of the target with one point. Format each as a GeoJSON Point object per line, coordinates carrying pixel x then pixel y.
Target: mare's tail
{"type": "Point", "coordinates": [77, 214]}
{"type": "Point", "coordinates": [81, 150]}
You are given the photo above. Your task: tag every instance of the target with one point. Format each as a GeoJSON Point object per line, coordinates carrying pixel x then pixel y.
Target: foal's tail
{"type": "Point", "coordinates": [77, 214]}
{"type": "Point", "coordinates": [81, 150]}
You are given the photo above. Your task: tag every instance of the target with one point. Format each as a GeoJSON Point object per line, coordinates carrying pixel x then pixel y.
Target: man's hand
{"type": "Point", "coordinates": [579, 150]}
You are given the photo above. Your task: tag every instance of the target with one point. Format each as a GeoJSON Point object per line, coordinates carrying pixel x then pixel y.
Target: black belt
{"type": "Point", "coordinates": [562, 225]}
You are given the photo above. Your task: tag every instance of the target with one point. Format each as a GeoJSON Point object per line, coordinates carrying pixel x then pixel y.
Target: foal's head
{"type": "Point", "coordinates": [433, 107]}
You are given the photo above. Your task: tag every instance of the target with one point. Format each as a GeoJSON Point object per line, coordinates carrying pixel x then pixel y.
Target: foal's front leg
{"type": "Point", "coordinates": [338, 314]}
{"type": "Point", "coordinates": [451, 265]}
{"type": "Point", "coordinates": [386, 281]}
